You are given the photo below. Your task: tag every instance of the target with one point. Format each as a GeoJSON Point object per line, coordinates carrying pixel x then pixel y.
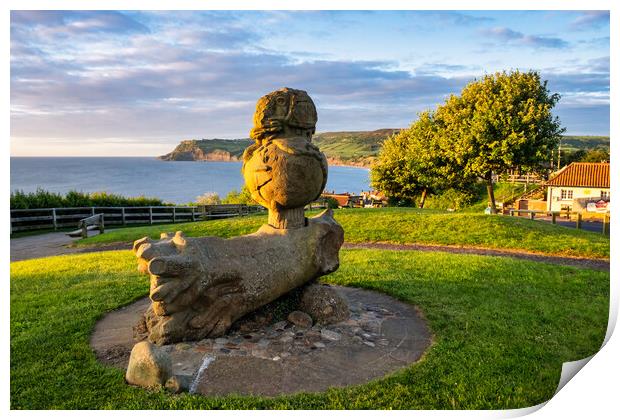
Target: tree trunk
{"type": "Point", "coordinates": [423, 198]}
{"type": "Point", "coordinates": [491, 193]}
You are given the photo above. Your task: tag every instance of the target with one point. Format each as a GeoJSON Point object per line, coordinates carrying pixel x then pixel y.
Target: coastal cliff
{"type": "Point", "coordinates": [343, 148]}
{"type": "Point", "coordinates": [208, 150]}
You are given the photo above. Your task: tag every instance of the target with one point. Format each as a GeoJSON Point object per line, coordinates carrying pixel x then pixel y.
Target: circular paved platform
{"type": "Point", "coordinates": [381, 336]}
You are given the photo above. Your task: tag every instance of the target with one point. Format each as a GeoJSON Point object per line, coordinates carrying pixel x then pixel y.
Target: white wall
{"type": "Point", "coordinates": [554, 194]}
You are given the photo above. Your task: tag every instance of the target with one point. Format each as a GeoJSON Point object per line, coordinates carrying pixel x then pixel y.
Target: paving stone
{"type": "Point", "coordinates": [330, 335]}
{"type": "Point", "coordinates": [281, 324]}
{"type": "Point", "coordinates": [262, 343]}
{"type": "Point", "coordinates": [300, 319]}
{"type": "Point", "coordinates": [182, 346]}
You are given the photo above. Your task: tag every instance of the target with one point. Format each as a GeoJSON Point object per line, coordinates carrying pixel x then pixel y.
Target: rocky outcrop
{"type": "Point", "coordinates": [208, 150]}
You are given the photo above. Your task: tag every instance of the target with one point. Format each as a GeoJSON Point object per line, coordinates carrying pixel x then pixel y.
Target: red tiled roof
{"type": "Point", "coordinates": [582, 174]}
{"type": "Point", "coordinates": [342, 199]}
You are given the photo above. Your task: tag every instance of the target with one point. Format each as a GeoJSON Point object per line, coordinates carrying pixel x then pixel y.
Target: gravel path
{"type": "Point", "coordinates": [58, 243]}
{"type": "Point", "coordinates": [44, 245]}
{"type": "Point", "coordinates": [596, 264]}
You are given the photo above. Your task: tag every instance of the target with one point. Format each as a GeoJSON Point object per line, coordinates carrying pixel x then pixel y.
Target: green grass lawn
{"type": "Point", "coordinates": [409, 225]}
{"type": "Point", "coordinates": [502, 329]}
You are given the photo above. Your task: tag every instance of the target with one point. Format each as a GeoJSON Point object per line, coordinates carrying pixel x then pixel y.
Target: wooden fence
{"type": "Point", "coordinates": [58, 218]}
{"type": "Point", "coordinates": [578, 217]}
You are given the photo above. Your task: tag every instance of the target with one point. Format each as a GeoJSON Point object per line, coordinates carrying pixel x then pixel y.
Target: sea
{"type": "Point", "coordinates": [172, 181]}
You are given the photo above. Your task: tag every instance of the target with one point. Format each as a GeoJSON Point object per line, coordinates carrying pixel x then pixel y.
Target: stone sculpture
{"type": "Point", "coordinates": [283, 170]}
{"type": "Point", "coordinates": [200, 286]}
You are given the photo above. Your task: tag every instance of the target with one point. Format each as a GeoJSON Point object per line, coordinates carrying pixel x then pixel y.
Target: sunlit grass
{"type": "Point", "coordinates": [408, 225]}
{"type": "Point", "coordinates": [502, 329]}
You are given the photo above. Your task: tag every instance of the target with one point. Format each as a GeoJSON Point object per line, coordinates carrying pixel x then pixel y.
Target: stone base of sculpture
{"type": "Point", "coordinates": [200, 286]}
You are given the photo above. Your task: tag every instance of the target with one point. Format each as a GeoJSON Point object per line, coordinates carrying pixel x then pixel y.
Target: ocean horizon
{"type": "Point", "coordinates": [177, 182]}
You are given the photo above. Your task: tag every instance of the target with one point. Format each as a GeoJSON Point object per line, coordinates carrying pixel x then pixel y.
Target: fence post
{"type": "Point", "coordinates": [532, 214]}
{"type": "Point", "coordinates": [174, 214]}
{"type": "Point", "coordinates": [151, 215]}
{"type": "Point", "coordinates": [553, 216]}
{"type": "Point", "coordinates": [54, 219]}
{"type": "Point", "coordinates": [101, 224]}
{"type": "Point", "coordinates": [605, 223]}
{"type": "Point", "coordinates": [123, 215]}
{"type": "Point", "coordinates": [193, 214]}
{"type": "Point", "coordinates": [578, 223]}
{"type": "Point", "coordinates": [512, 212]}
{"type": "Point", "coordinates": [92, 211]}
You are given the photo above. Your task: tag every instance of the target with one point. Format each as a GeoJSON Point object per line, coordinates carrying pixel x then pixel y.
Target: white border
{"type": "Point", "coordinates": [593, 393]}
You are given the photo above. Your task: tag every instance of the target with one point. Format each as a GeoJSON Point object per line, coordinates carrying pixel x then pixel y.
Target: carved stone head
{"type": "Point", "coordinates": [284, 113]}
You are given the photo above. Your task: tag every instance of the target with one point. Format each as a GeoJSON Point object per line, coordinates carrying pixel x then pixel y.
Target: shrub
{"type": "Point", "coordinates": [235, 197]}
{"type": "Point", "coordinates": [208, 198]}
{"type": "Point", "coordinates": [45, 199]}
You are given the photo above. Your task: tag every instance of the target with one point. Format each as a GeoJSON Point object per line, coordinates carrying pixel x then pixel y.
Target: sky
{"type": "Point", "coordinates": [115, 83]}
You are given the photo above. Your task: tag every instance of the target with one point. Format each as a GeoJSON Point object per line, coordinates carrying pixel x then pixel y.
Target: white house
{"type": "Point", "coordinates": [580, 186]}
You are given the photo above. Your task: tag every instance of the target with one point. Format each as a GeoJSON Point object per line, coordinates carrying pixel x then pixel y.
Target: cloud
{"type": "Point", "coordinates": [68, 23]}
{"type": "Point", "coordinates": [591, 19]}
{"type": "Point", "coordinates": [218, 39]}
{"type": "Point", "coordinates": [457, 18]}
{"type": "Point", "coordinates": [536, 41]}
{"type": "Point", "coordinates": [599, 65]}
{"type": "Point", "coordinates": [182, 78]}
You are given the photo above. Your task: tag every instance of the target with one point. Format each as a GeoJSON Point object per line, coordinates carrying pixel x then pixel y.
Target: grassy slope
{"type": "Point", "coordinates": [408, 225]}
{"type": "Point", "coordinates": [502, 330]}
{"type": "Point", "coordinates": [360, 146]}
{"type": "Point", "coordinates": [585, 142]}
{"type": "Point", "coordinates": [235, 147]}
{"type": "Point", "coordinates": [352, 145]}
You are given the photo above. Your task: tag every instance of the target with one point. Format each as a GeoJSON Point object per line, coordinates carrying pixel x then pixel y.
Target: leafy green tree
{"type": "Point", "coordinates": [412, 164]}
{"type": "Point", "coordinates": [208, 198]}
{"type": "Point", "coordinates": [236, 197]}
{"type": "Point", "coordinates": [500, 122]}
{"type": "Point", "coordinates": [596, 155]}
{"type": "Point", "coordinates": [393, 172]}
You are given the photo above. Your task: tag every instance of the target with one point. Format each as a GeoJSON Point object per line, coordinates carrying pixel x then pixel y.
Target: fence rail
{"type": "Point", "coordinates": [55, 218]}
{"type": "Point", "coordinates": [554, 214]}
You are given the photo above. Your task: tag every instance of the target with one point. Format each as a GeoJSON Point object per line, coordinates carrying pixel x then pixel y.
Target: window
{"type": "Point", "coordinates": [605, 195]}
{"type": "Point", "coordinates": [567, 194]}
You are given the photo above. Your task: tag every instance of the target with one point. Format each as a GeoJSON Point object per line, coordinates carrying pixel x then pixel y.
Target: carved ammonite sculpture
{"type": "Point", "coordinates": [283, 170]}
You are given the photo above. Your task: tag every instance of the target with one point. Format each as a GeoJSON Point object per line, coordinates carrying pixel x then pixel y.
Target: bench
{"type": "Point", "coordinates": [88, 223]}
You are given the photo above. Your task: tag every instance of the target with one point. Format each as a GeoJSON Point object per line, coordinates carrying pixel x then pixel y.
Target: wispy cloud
{"type": "Point", "coordinates": [458, 18]}
{"type": "Point", "coordinates": [537, 41]}
{"type": "Point", "coordinates": [152, 76]}
{"type": "Point", "coordinates": [591, 19]}
{"type": "Point", "coordinates": [75, 22]}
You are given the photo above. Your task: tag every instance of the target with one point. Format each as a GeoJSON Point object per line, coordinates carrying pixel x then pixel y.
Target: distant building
{"type": "Point", "coordinates": [580, 187]}
{"type": "Point", "coordinates": [366, 199]}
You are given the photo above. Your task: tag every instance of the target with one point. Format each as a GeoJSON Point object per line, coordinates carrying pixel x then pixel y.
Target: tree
{"type": "Point", "coordinates": [412, 164]}
{"type": "Point", "coordinates": [500, 122]}
{"type": "Point", "coordinates": [404, 169]}
{"type": "Point", "coordinates": [208, 198]}
{"type": "Point", "coordinates": [596, 155]}
{"type": "Point", "coordinates": [235, 197]}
